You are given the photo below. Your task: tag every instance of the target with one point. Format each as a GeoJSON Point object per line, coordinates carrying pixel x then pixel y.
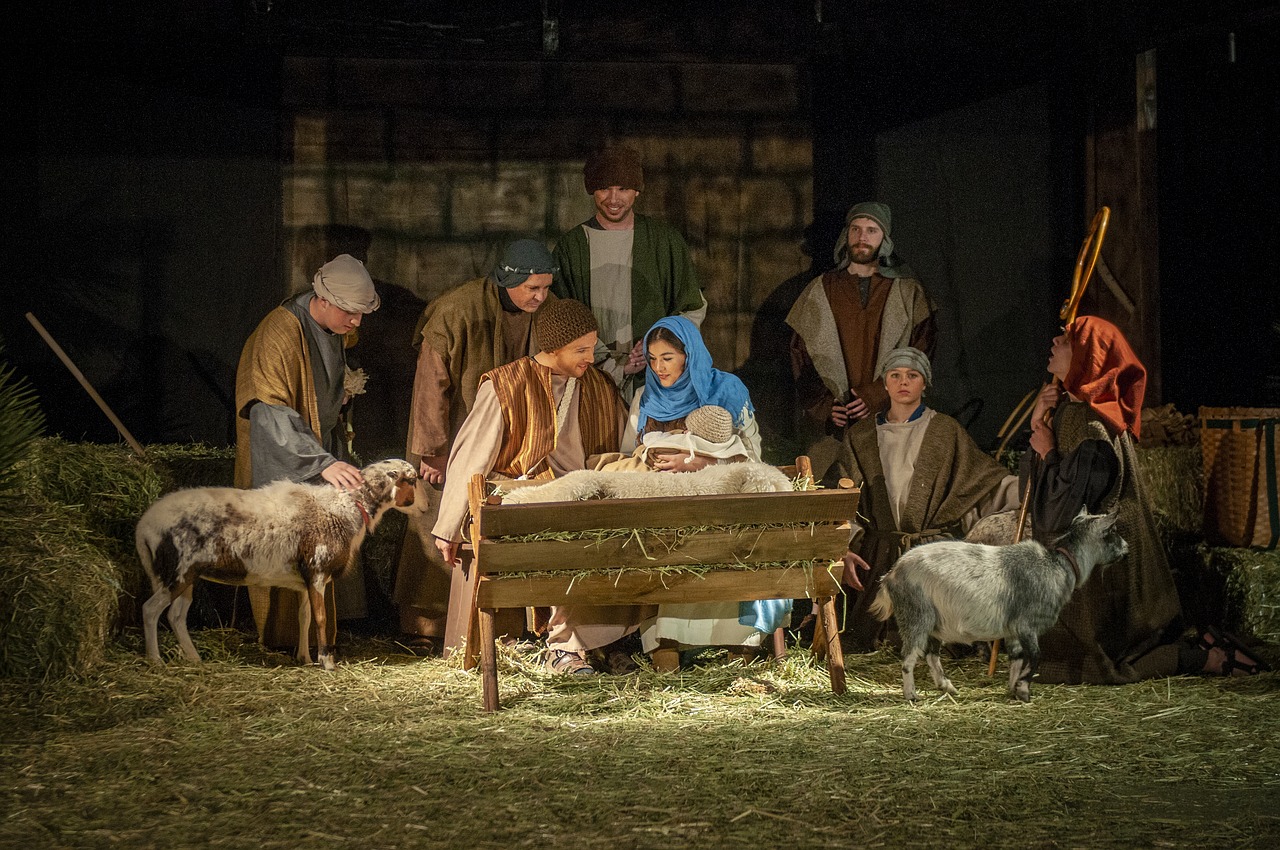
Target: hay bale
{"type": "Point", "coordinates": [193, 465]}
{"type": "Point", "coordinates": [110, 487]}
{"type": "Point", "coordinates": [109, 484]}
{"type": "Point", "coordinates": [58, 591]}
{"type": "Point", "coordinates": [1251, 584]}
{"type": "Point", "coordinates": [1174, 479]}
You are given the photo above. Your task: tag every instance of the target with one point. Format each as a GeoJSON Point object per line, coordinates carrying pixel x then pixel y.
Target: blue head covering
{"type": "Point", "coordinates": [700, 384]}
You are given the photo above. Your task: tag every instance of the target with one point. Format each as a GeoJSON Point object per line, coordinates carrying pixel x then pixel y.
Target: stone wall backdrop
{"type": "Point", "coordinates": [442, 164]}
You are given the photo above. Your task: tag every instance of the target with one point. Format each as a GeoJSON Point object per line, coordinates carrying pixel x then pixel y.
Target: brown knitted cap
{"type": "Point", "coordinates": [614, 166]}
{"type": "Point", "coordinates": [562, 321]}
{"type": "Point", "coordinates": [710, 422]}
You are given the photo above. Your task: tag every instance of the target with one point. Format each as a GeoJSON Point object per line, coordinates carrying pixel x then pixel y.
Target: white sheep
{"type": "Point", "coordinates": [717, 479]}
{"type": "Point", "coordinates": [297, 536]}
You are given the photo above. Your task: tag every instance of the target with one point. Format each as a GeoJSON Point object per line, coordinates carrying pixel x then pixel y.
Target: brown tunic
{"type": "Point", "coordinates": [859, 329]}
{"type": "Point", "coordinates": [954, 483]}
{"type": "Point", "coordinates": [460, 336]}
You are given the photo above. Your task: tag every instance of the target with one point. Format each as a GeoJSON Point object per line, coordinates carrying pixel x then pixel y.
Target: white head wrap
{"type": "Point", "coordinates": [345, 283]}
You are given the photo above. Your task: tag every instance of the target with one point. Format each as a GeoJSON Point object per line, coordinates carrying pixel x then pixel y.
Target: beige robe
{"type": "Point", "coordinates": [951, 484]}
{"type": "Point", "coordinates": [574, 627]}
{"type": "Point", "coordinates": [462, 335]}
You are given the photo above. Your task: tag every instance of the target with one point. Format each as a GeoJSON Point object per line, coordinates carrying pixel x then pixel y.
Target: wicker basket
{"type": "Point", "coordinates": [1241, 471]}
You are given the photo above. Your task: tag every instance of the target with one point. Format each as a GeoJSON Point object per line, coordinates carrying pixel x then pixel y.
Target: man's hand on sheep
{"type": "Point", "coordinates": [432, 468]}
{"type": "Point", "coordinates": [448, 551]}
{"type": "Point", "coordinates": [852, 563]}
{"type": "Point", "coordinates": [343, 476]}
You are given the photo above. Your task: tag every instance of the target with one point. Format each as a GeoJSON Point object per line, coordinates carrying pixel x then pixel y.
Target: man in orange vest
{"type": "Point", "coordinates": [540, 417]}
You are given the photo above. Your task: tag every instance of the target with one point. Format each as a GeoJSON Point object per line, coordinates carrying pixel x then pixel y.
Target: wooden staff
{"type": "Point", "coordinates": [1089, 249]}
{"type": "Point", "coordinates": [84, 382]}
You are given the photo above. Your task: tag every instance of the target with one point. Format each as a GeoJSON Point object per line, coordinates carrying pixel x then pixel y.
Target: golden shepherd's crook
{"type": "Point", "coordinates": [1090, 248]}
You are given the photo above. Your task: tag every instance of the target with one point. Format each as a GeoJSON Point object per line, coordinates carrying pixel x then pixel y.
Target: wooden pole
{"type": "Point", "coordinates": [84, 382]}
{"type": "Point", "coordinates": [1085, 262]}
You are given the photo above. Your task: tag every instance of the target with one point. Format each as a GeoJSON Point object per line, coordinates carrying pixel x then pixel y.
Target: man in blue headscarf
{"type": "Point", "coordinates": [473, 328]}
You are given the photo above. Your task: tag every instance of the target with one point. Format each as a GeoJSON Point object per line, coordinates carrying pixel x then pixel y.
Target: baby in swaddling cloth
{"type": "Point", "coordinates": [709, 433]}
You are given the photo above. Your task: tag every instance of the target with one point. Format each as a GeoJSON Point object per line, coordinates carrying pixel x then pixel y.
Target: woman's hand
{"type": "Point", "coordinates": [1042, 437]}
{"type": "Point", "coordinates": [1050, 395]}
{"type": "Point", "coordinates": [681, 462]}
{"type": "Point", "coordinates": [852, 563]}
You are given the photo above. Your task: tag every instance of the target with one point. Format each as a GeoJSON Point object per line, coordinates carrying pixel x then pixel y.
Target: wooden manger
{"type": "Point", "coordinates": [736, 548]}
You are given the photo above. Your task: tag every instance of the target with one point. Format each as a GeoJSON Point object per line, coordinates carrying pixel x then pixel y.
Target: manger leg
{"type": "Point", "coordinates": [460, 625]}
{"type": "Point", "coordinates": [819, 645]}
{"type": "Point", "coordinates": [488, 660]}
{"type": "Point", "coordinates": [831, 643]}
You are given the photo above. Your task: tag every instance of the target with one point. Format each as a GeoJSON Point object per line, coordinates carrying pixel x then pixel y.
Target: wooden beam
{"type": "Point", "coordinates": [646, 549]}
{"type": "Point", "coordinates": [642, 587]}
{"type": "Point", "coordinates": [685, 512]}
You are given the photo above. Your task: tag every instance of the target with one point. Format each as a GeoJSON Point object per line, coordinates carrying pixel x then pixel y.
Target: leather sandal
{"type": "Point", "coordinates": [1237, 656]}
{"type": "Point", "coordinates": [568, 663]}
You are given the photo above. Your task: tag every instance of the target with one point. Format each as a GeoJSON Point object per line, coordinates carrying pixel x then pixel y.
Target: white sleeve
{"type": "Point", "coordinates": [474, 450]}
{"type": "Point", "coordinates": [697, 315]}
{"type": "Point", "coordinates": [631, 432]}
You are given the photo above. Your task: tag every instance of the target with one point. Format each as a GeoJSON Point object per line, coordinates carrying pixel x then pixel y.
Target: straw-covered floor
{"type": "Point", "coordinates": [247, 750]}
{"type": "Point", "coordinates": [99, 749]}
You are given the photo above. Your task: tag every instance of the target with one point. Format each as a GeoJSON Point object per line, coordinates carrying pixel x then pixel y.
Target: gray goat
{"type": "Point", "coordinates": [953, 591]}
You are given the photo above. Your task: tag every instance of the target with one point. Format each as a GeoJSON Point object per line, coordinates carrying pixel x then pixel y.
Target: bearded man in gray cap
{"type": "Point", "coordinates": [630, 269]}
{"type": "Point", "coordinates": [845, 323]}
{"type": "Point", "coordinates": [291, 384]}
{"type": "Point", "coordinates": [471, 329]}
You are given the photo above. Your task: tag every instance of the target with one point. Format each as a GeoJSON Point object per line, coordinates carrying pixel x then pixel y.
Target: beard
{"type": "Point", "coordinates": [863, 255]}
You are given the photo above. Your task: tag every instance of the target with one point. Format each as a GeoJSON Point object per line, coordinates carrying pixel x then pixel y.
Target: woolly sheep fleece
{"type": "Point", "coordinates": [719, 479]}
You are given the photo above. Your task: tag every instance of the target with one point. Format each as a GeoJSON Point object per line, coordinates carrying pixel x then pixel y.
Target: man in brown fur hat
{"type": "Point", "coordinates": [540, 417]}
{"type": "Point", "coordinates": [629, 268]}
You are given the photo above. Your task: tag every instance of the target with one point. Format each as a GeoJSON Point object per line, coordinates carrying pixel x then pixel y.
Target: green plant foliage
{"type": "Point", "coordinates": [21, 421]}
